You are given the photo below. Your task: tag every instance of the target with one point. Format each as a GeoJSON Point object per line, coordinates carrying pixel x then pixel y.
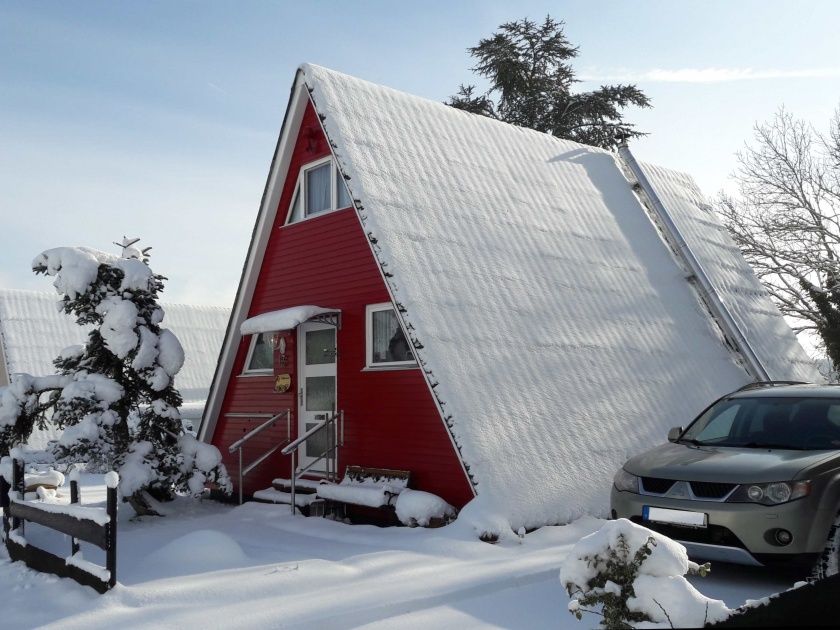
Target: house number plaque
{"type": "Point", "coordinates": [282, 383]}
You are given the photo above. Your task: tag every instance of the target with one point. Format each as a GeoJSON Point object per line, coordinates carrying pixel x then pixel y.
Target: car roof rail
{"type": "Point", "coordinates": [757, 384]}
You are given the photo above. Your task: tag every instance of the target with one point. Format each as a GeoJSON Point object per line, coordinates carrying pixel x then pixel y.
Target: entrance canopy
{"type": "Point", "coordinates": [284, 319]}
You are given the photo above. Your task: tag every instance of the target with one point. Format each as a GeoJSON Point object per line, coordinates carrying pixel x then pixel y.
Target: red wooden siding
{"type": "Point", "coordinates": [391, 420]}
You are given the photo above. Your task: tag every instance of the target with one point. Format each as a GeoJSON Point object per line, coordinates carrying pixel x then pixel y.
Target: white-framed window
{"type": "Point", "coordinates": [386, 345]}
{"type": "Point", "coordinates": [260, 359]}
{"type": "Point", "coordinates": [320, 188]}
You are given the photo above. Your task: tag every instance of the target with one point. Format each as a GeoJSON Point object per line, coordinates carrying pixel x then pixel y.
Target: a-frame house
{"type": "Point", "coordinates": [502, 313]}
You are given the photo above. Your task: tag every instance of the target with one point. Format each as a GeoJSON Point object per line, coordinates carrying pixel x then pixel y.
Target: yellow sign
{"type": "Point", "coordinates": [282, 383]}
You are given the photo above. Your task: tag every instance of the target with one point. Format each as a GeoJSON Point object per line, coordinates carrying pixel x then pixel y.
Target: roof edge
{"type": "Point", "coordinates": [247, 280]}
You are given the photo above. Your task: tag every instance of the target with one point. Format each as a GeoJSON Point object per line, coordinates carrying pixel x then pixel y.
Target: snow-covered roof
{"type": "Point", "coordinates": [555, 327]}
{"type": "Point", "coordinates": [283, 319]}
{"type": "Point", "coordinates": [33, 332]}
{"type": "Point", "coordinates": [559, 330]}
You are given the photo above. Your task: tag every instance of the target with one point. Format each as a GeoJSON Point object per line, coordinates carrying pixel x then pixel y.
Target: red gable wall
{"type": "Point", "coordinates": [391, 420]}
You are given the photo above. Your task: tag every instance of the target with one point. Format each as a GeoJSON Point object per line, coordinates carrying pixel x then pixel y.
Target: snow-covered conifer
{"type": "Point", "coordinates": [115, 397]}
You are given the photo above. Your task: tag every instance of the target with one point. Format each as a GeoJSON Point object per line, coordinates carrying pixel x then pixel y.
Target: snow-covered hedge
{"type": "Point", "coordinates": [636, 576]}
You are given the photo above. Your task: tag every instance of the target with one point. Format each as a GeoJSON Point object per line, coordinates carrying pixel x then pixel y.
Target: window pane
{"type": "Point", "coordinates": [388, 344]}
{"type": "Point", "coordinates": [320, 346]}
{"type": "Point", "coordinates": [320, 393]}
{"type": "Point", "coordinates": [262, 358]}
{"type": "Point", "coordinates": [343, 195]}
{"type": "Point", "coordinates": [318, 189]}
{"type": "Point", "coordinates": [296, 214]}
{"type": "Point", "coordinates": [318, 443]}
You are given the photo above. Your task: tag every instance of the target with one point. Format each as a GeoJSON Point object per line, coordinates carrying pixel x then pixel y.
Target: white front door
{"type": "Point", "coordinates": [317, 377]}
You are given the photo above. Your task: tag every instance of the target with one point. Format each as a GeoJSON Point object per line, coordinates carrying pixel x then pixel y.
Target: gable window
{"type": "Point", "coordinates": [320, 188]}
{"type": "Point", "coordinates": [386, 343]}
{"type": "Point", "coordinates": [260, 355]}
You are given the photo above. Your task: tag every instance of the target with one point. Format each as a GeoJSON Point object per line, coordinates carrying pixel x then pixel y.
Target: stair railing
{"type": "Point", "coordinates": [237, 446]}
{"type": "Point", "coordinates": [334, 427]}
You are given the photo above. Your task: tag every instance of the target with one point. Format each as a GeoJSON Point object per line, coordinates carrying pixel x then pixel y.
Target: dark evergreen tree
{"type": "Point", "coordinates": [115, 397]}
{"type": "Point", "coordinates": [531, 80]}
{"type": "Point", "coordinates": [826, 305]}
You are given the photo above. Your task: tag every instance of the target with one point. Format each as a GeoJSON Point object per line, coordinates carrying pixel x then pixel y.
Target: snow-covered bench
{"type": "Point", "coordinates": [368, 487]}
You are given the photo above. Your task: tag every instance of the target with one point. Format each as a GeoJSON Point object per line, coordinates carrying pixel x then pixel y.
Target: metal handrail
{"type": "Point", "coordinates": [256, 431]}
{"type": "Point", "coordinates": [337, 440]}
{"type": "Point", "coordinates": [287, 450]}
{"type": "Point", "coordinates": [237, 446]}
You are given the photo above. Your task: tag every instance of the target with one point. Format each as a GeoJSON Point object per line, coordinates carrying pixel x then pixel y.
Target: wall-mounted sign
{"type": "Point", "coordinates": [282, 383]}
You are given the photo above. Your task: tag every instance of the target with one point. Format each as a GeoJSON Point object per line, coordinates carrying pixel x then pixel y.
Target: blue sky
{"type": "Point", "coordinates": [158, 119]}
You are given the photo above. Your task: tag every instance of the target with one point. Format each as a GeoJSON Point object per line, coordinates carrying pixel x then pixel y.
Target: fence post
{"type": "Point", "coordinates": [74, 498]}
{"type": "Point", "coordinates": [19, 486]}
{"type": "Point", "coordinates": [111, 552]}
{"type": "Point", "coordinates": [4, 503]}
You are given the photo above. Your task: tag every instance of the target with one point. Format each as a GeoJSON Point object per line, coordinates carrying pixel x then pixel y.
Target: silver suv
{"type": "Point", "coordinates": [755, 479]}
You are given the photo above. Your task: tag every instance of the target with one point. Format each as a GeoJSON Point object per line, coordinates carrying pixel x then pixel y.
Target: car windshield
{"type": "Point", "coordinates": [761, 422]}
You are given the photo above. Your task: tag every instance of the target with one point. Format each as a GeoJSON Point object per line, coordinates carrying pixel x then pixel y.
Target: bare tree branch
{"type": "Point", "coordinates": [786, 217]}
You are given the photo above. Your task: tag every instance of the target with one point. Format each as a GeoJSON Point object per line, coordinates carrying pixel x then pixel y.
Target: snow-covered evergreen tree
{"type": "Point", "coordinates": [115, 397]}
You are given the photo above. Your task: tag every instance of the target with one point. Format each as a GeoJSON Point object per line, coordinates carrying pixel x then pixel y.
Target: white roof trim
{"type": "Point", "coordinates": [283, 319]}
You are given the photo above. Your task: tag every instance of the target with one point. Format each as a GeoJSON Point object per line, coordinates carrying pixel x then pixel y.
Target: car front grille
{"type": "Point", "coordinates": [657, 486]}
{"type": "Point", "coordinates": [711, 490]}
{"type": "Point", "coordinates": [703, 490]}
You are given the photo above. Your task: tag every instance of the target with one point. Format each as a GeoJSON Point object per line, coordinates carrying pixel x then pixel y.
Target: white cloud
{"type": "Point", "coordinates": [707, 75]}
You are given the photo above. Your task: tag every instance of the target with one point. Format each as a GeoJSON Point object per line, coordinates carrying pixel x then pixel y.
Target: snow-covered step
{"type": "Point", "coordinates": [272, 495]}
{"type": "Point", "coordinates": [302, 485]}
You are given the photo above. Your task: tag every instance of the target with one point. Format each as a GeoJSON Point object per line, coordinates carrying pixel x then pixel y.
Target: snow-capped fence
{"type": "Point", "coordinates": [94, 525]}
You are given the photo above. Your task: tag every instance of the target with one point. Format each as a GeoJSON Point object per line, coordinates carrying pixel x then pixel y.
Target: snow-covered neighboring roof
{"type": "Point", "coordinates": [283, 319]}
{"type": "Point", "coordinates": [556, 326]}
{"type": "Point", "coordinates": [770, 336]}
{"type": "Point", "coordinates": [33, 332]}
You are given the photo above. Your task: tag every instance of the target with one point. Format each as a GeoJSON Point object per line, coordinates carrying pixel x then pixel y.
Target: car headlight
{"type": "Point", "coordinates": [772, 493]}
{"type": "Point", "coordinates": [625, 482]}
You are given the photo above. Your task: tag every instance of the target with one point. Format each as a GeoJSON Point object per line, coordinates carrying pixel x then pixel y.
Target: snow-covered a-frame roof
{"type": "Point", "coordinates": [556, 328]}
{"type": "Point", "coordinates": [33, 332]}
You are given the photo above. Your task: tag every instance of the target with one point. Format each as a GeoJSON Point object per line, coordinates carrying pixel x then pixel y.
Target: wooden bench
{"type": "Point", "coordinates": [373, 488]}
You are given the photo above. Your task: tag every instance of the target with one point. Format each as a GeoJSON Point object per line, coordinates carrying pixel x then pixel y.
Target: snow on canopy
{"type": "Point", "coordinates": [33, 332]}
{"type": "Point", "coordinates": [283, 319]}
{"type": "Point", "coordinates": [559, 330]}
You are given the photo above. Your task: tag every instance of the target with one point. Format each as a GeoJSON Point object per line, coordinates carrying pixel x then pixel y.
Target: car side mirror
{"type": "Point", "coordinates": [674, 433]}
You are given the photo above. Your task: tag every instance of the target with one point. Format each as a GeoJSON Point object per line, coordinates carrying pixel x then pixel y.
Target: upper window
{"type": "Point", "coordinates": [260, 356]}
{"type": "Point", "coordinates": [386, 343]}
{"type": "Point", "coordinates": [319, 188]}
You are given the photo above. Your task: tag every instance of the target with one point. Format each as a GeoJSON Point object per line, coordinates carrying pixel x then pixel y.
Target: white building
{"type": "Point", "coordinates": [33, 331]}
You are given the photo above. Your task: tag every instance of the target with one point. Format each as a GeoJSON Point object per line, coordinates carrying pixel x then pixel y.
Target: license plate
{"type": "Point", "coordinates": [674, 517]}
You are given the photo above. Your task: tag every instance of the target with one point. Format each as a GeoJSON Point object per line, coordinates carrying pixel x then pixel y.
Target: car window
{"type": "Point", "coordinates": [720, 426]}
{"type": "Point", "coordinates": [834, 415]}
{"type": "Point", "coordinates": [762, 422]}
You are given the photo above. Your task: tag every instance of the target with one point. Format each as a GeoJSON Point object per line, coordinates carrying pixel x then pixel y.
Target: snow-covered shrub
{"type": "Point", "coordinates": [415, 507]}
{"type": "Point", "coordinates": [115, 397]}
{"type": "Point", "coordinates": [636, 575]}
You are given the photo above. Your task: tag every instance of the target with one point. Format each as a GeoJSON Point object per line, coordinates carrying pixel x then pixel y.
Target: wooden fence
{"type": "Point", "coordinates": [89, 524]}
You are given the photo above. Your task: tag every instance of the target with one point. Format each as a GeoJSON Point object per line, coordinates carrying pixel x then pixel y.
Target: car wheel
{"type": "Point", "coordinates": [829, 562]}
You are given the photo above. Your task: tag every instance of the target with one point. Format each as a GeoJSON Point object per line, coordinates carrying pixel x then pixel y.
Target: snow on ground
{"type": "Point", "coordinates": [210, 565]}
